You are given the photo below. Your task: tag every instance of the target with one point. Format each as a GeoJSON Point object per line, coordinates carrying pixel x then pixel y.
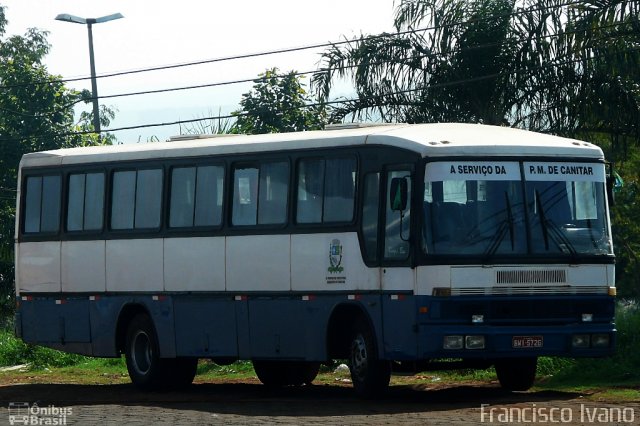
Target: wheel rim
{"type": "Point", "coordinates": [141, 352]}
{"type": "Point", "coordinates": [359, 359]}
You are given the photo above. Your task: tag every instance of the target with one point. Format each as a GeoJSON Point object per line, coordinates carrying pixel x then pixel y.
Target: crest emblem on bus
{"type": "Point", "coordinates": [335, 257]}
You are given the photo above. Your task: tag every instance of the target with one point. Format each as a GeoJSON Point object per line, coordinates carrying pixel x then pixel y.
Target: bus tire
{"type": "Point", "coordinates": [369, 374]}
{"type": "Point", "coordinates": [146, 369]}
{"type": "Point", "coordinates": [270, 373]}
{"type": "Point", "coordinates": [300, 373]}
{"type": "Point", "coordinates": [286, 373]}
{"type": "Point", "coordinates": [309, 372]}
{"type": "Point", "coordinates": [181, 371]}
{"type": "Point", "coordinates": [516, 374]}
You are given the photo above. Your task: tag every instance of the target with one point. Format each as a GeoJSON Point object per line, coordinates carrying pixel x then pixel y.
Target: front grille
{"type": "Point", "coordinates": [528, 290]}
{"type": "Point", "coordinates": [531, 276]}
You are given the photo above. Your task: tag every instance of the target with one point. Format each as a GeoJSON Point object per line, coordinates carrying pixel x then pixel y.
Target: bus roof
{"type": "Point", "coordinates": [432, 140]}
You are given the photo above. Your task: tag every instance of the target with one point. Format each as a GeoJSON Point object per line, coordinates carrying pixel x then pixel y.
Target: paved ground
{"type": "Point", "coordinates": [253, 404]}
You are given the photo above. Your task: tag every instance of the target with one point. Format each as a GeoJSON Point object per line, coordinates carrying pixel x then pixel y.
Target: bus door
{"type": "Point", "coordinates": [396, 251]}
{"type": "Point", "coordinates": [398, 278]}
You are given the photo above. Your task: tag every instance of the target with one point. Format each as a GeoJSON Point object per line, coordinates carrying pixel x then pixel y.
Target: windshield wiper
{"type": "Point", "coordinates": [510, 220]}
{"type": "Point", "coordinates": [543, 221]}
{"type": "Point", "coordinates": [506, 225]}
{"type": "Point", "coordinates": [550, 229]}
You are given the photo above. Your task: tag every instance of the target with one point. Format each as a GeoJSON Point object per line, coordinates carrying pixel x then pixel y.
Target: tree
{"type": "Point", "coordinates": [580, 75]}
{"type": "Point", "coordinates": [451, 72]}
{"type": "Point", "coordinates": [278, 103]}
{"type": "Point", "coordinates": [211, 126]}
{"type": "Point", "coordinates": [548, 65]}
{"type": "Point", "coordinates": [83, 128]}
{"type": "Point", "coordinates": [36, 113]}
{"type": "Point", "coordinates": [626, 229]}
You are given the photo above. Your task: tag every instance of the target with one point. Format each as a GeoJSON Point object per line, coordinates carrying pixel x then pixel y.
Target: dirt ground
{"type": "Point", "coordinates": [249, 403]}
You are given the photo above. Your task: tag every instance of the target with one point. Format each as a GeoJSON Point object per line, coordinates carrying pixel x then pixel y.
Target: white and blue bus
{"type": "Point", "coordinates": [398, 247]}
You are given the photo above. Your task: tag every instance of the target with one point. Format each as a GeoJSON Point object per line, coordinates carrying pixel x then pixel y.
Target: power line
{"type": "Point", "coordinates": [263, 78]}
{"type": "Point", "coordinates": [342, 101]}
{"type": "Point", "coordinates": [302, 73]}
{"type": "Point", "coordinates": [296, 49]}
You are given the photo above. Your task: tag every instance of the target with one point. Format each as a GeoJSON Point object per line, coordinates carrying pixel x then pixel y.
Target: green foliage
{"type": "Point", "coordinates": [453, 72]}
{"type": "Point", "coordinates": [15, 352]}
{"type": "Point", "coordinates": [278, 104]}
{"type": "Point", "coordinates": [550, 366]}
{"type": "Point", "coordinates": [623, 367]}
{"type": "Point", "coordinates": [545, 65]}
{"type": "Point", "coordinates": [626, 228]}
{"type": "Point", "coordinates": [36, 112]}
{"type": "Point", "coordinates": [84, 127]}
{"type": "Point", "coordinates": [215, 126]}
{"type": "Point", "coordinates": [236, 369]}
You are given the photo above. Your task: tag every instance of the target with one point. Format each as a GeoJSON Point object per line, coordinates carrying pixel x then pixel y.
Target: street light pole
{"type": "Point", "coordinates": [94, 84]}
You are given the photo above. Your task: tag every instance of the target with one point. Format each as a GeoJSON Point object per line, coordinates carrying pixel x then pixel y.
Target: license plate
{"type": "Point", "coordinates": [524, 342]}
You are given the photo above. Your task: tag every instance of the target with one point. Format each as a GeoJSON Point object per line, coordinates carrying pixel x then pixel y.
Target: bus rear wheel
{"type": "Point", "coordinates": [516, 374]}
{"type": "Point", "coordinates": [286, 373]}
{"type": "Point", "coordinates": [369, 374]}
{"type": "Point", "coordinates": [142, 353]}
{"type": "Point", "coordinates": [146, 369]}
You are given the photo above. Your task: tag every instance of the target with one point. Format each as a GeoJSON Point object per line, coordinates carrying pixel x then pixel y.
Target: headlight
{"type": "Point", "coordinates": [452, 342]}
{"type": "Point", "coordinates": [600, 340]}
{"type": "Point", "coordinates": [474, 342]}
{"type": "Point", "coordinates": [580, 341]}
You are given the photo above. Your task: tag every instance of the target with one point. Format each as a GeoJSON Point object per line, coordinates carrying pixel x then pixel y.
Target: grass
{"type": "Point", "coordinates": [621, 369]}
{"type": "Point", "coordinates": [236, 371]}
{"type": "Point", "coordinates": [14, 352]}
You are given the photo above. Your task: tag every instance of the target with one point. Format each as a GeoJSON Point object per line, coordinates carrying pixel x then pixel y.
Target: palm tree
{"type": "Point", "coordinates": [561, 66]}
{"type": "Point", "coordinates": [447, 62]}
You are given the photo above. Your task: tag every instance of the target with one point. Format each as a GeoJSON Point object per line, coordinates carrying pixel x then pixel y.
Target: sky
{"type": "Point", "coordinates": [162, 32]}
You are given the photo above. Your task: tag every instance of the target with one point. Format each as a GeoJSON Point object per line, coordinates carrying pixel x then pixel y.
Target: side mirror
{"type": "Point", "coordinates": [614, 181]}
{"type": "Point", "coordinates": [398, 194]}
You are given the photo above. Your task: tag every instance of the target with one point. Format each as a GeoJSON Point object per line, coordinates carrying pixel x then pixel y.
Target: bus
{"type": "Point", "coordinates": [398, 248]}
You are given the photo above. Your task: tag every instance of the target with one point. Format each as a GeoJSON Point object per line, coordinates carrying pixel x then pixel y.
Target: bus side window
{"type": "Point", "coordinates": [273, 193]}
{"type": "Point", "coordinates": [196, 196]}
{"type": "Point", "coordinates": [42, 206]}
{"type": "Point", "coordinates": [182, 205]}
{"type": "Point", "coordinates": [310, 191]}
{"type": "Point", "coordinates": [326, 190]}
{"type": "Point", "coordinates": [209, 196]}
{"type": "Point", "coordinates": [85, 207]}
{"type": "Point", "coordinates": [370, 215]}
{"type": "Point", "coordinates": [339, 185]}
{"type": "Point", "coordinates": [148, 199]}
{"type": "Point", "coordinates": [136, 199]}
{"type": "Point", "coordinates": [123, 199]}
{"type": "Point", "coordinates": [261, 194]}
{"type": "Point", "coordinates": [245, 189]}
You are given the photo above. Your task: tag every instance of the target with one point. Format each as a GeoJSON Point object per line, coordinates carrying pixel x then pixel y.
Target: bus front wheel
{"type": "Point", "coordinates": [516, 374]}
{"type": "Point", "coordinates": [369, 374]}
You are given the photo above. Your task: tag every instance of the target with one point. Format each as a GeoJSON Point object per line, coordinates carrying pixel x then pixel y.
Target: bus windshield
{"type": "Point", "coordinates": [483, 209]}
